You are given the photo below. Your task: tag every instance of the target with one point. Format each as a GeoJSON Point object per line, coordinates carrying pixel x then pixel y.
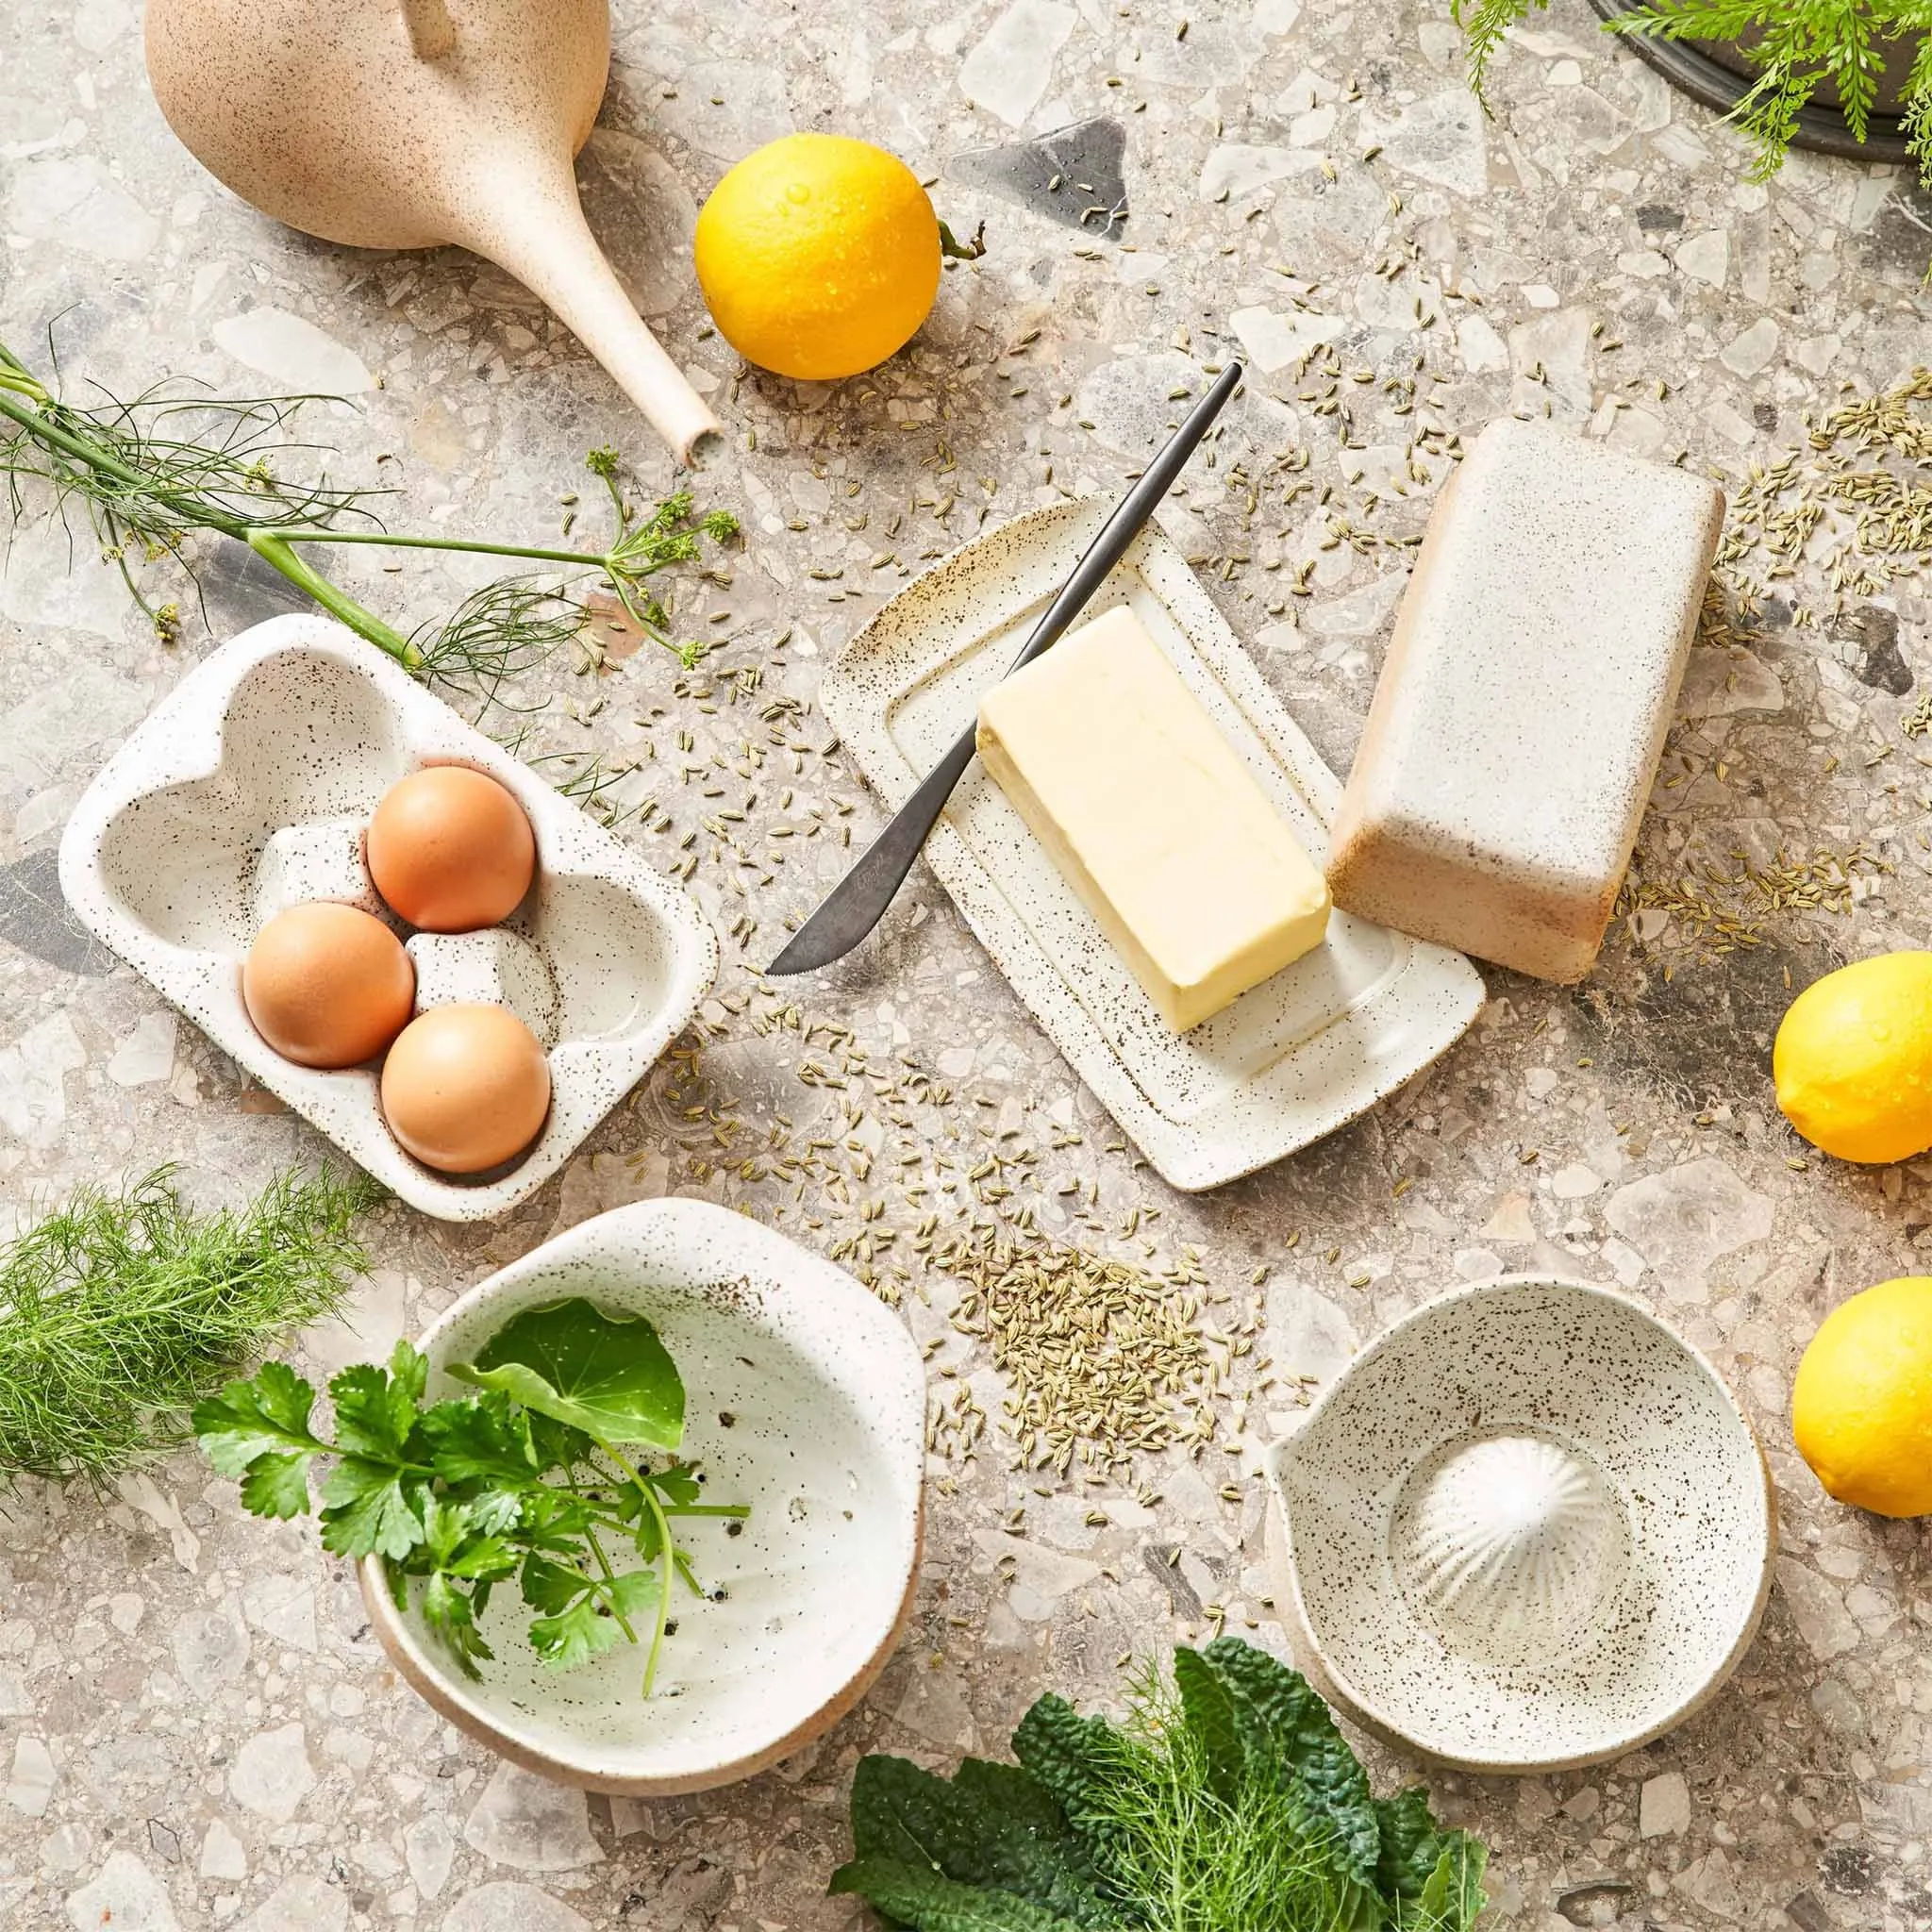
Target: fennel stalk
{"type": "Point", "coordinates": [152, 471]}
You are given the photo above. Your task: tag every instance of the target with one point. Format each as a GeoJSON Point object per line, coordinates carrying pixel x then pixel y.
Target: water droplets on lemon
{"type": "Point", "coordinates": [1853, 1060]}
{"type": "Point", "coordinates": [1861, 1407]}
{"type": "Point", "coordinates": [819, 255]}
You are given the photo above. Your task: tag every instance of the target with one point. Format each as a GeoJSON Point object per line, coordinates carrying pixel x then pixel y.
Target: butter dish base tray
{"type": "Point", "coordinates": [1291, 1060]}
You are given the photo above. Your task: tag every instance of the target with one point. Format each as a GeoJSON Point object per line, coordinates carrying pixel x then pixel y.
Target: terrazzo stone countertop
{"type": "Point", "coordinates": [196, 1728]}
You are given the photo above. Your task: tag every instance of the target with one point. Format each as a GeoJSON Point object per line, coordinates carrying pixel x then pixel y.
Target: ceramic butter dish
{"type": "Point", "coordinates": [1522, 704]}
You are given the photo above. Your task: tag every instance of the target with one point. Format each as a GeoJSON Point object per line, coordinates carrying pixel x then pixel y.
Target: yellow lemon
{"type": "Point", "coordinates": [1853, 1059]}
{"type": "Point", "coordinates": [819, 255]}
{"type": "Point", "coordinates": [1861, 1408]}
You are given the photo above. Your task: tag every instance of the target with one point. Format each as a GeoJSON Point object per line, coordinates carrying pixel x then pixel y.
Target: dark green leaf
{"type": "Point", "coordinates": [1208, 1709]}
{"type": "Point", "coordinates": [903, 1814]}
{"type": "Point", "coordinates": [480, 1439]}
{"type": "Point", "coordinates": [609, 1375]}
{"type": "Point", "coordinates": [375, 1413]}
{"type": "Point", "coordinates": [276, 1485]}
{"type": "Point", "coordinates": [452, 1616]}
{"type": "Point", "coordinates": [1008, 1789]}
{"type": "Point", "coordinates": [1068, 1756]}
{"type": "Point", "coordinates": [269, 1411]}
{"type": "Point", "coordinates": [1454, 1897]}
{"type": "Point", "coordinates": [677, 1485]}
{"type": "Point", "coordinates": [1285, 1726]}
{"type": "Point", "coordinates": [367, 1512]}
{"type": "Point", "coordinates": [557, 1446]}
{"type": "Point", "coordinates": [918, 1896]}
{"type": "Point", "coordinates": [550, 1586]}
{"type": "Point", "coordinates": [555, 1521]}
{"type": "Point", "coordinates": [1409, 1845]}
{"type": "Point", "coordinates": [573, 1635]}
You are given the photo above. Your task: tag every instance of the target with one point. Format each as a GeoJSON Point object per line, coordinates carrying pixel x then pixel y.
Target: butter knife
{"type": "Point", "coordinates": [859, 901]}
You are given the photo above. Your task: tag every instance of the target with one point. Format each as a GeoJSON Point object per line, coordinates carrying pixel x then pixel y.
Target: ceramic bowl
{"type": "Point", "coordinates": [1526, 1529]}
{"type": "Point", "coordinates": [806, 1399]}
{"type": "Point", "coordinates": [248, 788]}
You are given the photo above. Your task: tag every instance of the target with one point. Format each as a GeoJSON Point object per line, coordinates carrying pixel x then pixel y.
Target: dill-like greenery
{"type": "Point", "coordinates": [1797, 47]}
{"type": "Point", "coordinates": [119, 1310]}
{"type": "Point", "coordinates": [1178, 1854]}
{"type": "Point", "coordinates": [173, 461]}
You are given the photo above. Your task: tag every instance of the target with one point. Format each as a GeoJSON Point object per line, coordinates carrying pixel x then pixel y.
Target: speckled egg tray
{"type": "Point", "coordinates": [1296, 1057]}
{"type": "Point", "coordinates": [246, 789]}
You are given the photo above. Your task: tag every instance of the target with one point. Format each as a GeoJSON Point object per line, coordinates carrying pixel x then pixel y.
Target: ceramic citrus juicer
{"type": "Point", "coordinates": [1528, 1528]}
{"type": "Point", "coordinates": [411, 124]}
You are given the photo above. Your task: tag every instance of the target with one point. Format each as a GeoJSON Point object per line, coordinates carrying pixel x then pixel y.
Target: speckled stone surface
{"type": "Point", "coordinates": [197, 1728]}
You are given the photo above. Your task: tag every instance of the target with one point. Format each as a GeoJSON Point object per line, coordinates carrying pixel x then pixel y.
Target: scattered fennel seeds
{"type": "Point", "coordinates": [1099, 1356]}
{"type": "Point", "coordinates": [1854, 502]}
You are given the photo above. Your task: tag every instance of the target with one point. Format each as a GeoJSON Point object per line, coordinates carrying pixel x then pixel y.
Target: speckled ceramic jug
{"type": "Point", "coordinates": [407, 124]}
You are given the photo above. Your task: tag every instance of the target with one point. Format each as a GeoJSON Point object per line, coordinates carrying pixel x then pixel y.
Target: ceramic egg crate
{"type": "Point", "coordinates": [246, 791]}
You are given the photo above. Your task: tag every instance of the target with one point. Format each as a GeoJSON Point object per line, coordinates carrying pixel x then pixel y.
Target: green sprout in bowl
{"type": "Point", "coordinates": [541, 1476]}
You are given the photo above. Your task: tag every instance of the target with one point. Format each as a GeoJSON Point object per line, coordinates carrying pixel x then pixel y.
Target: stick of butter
{"type": "Point", "coordinates": [1152, 818]}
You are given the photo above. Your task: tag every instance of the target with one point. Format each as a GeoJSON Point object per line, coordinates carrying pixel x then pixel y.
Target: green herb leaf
{"type": "Point", "coordinates": [1409, 1844]}
{"type": "Point", "coordinates": [451, 1615]}
{"type": "Point", "coordinates": [607, 1376]}
{"type": "Point", "coordinates": [367, 1512]}
{"type": "Point", "coordinates": [1284, 1722]}
{"type": "Point", "coordinates": [916, 1895]}
{"type": "Point", "coordinates": [479, 1439]}
{"type": "Point", "coordinates": [269, 1411]}
{"type": "Point", "coordinates": [905, 1815]}
{"type": "Point", "coordinates": [676, 1485]}
{"type": "Point", "coordinates": [550, 1586]}
{"type": "Point", "coordinates": [276, 1485]}
{"type": "Point", "coordinates": [635, 1592]}
{"type": "Point", "coordinates": [555, 1521]}
{"type": "Point", "coordinates": [1454, 1897]}
{"type": "Point", "coordinates": [1208, 1708]}
{"type": "Point", "coordinates": [376, 1411]}
{"type": "Point", "coordinates": [573, 1635]}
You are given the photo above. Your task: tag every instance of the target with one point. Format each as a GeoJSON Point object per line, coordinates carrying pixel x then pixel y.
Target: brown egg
{"type": "Point", "coordinates": [466, 1087]}
{"type": "Point", "coordinates": [451, 850]}
{"type": "Point", "coordinates": [327, 985]}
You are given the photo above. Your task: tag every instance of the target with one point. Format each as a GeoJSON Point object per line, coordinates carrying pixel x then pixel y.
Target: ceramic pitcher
{"type": "Point", "coordinates": [408, 124]}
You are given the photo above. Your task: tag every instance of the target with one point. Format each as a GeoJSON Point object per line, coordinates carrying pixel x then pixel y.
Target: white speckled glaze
{"type": "Point", "coordinates": [1522, 707]}
{"type": "Point", "coordinates": [1507, 1542]}
{"type": "Point", "coordinates": [804, 1398]}
{"type": "Point", "coordinates": [496, 967]}
{"type": "Point", "coordinates": [1528, 1528]}
{"type": "Point", "coordinates": [298, 723]}
{"type": "Point", "coordinates": [1291, 1060]}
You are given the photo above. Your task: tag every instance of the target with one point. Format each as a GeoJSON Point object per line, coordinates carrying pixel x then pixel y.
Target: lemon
{"type": "Point", "coordinates": [819, 255]}
{"type": "Point", "coordinates": [1853, 1059]}
{"type": "Point", "coordinates": [1861, 1408]}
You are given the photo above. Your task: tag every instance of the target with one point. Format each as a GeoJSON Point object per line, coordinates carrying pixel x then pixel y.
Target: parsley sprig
{"type": "Point", "coordinates": [528, 1480]}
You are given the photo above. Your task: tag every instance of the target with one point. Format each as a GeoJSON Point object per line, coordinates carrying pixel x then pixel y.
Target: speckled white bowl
{"type": "Point", "coordinates": [1526, 1529]}
{"type": "Point", "coordinates": [254, 775]}
{"type": "Point", "coordinates": [804, 1398]}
